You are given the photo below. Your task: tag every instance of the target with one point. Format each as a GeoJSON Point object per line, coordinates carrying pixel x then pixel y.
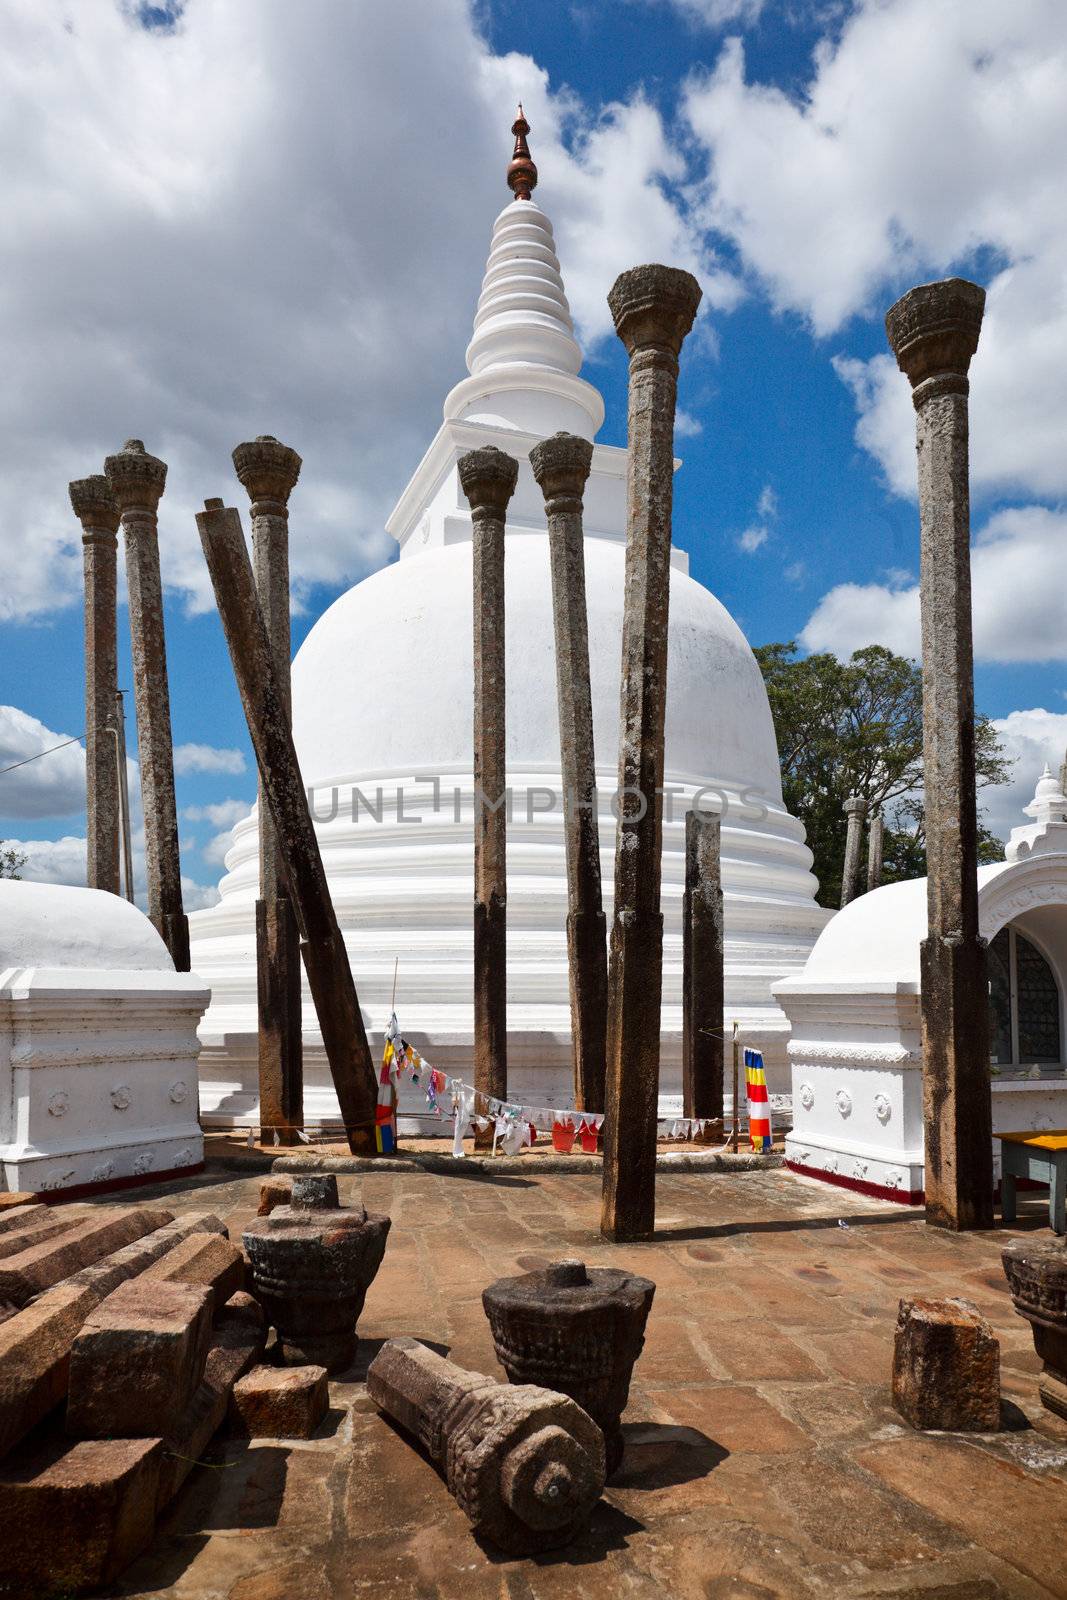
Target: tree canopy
{"type": "Point", "coordinates": [855, 728]}
{"type": "Point", "coordinates": [11, 860]}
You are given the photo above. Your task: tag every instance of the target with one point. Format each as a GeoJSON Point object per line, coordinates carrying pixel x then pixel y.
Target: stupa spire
{"type": "Point", "coordinates": [522, 173]}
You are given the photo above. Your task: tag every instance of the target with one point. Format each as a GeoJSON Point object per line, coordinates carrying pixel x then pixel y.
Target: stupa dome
{"type": "Point", "coordinates": [383, 725]}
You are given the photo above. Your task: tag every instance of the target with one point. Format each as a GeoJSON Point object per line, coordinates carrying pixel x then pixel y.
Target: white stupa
{"type": "Point", "coordinates": [382, 705]}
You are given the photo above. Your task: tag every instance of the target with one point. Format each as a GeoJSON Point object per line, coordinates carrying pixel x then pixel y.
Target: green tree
{"type": "Point", "coordinates": [11, 860]}
{"type": "Point", "coordinates": [855, 727]}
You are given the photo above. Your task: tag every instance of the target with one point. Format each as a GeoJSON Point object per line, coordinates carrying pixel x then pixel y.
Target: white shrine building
{"type": "Point", "coordinates": [384, 737]}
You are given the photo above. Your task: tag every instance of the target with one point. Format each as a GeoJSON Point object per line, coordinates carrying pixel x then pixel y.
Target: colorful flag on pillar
{"type": "Point", "coordinates": [385, 1112]}
{"type": "Point", "coordinates": [759, 1110]}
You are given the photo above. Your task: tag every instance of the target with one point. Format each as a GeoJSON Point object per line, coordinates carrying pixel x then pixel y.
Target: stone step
{"type": "Point", "coordinates": [39, 1266]}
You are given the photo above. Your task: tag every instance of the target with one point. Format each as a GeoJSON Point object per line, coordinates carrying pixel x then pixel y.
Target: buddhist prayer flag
{"type": "Point", "coordinates": [759, 1110]}
{"type": "Point", "coordinates": [385, 1112]}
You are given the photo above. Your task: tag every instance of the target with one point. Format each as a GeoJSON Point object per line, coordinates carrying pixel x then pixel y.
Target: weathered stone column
{"type": "Point", "coordinates": [488, 479]}
{"type": "Point", "coordinates": [933, 331]}
{"type": "Point", "coordinates": [137, 481]}
{"type": "Point", "coordinates": [526, 1465]}
{"type": "Point", "coordinates": [855, 810]}
{"type": "Point", "coordinates": [95, 508]}
{"type": "Point", "coordinates": [702, 969]}
{"type": "Point", "coordinates": [269, 470]}
{"type": "Point", "coordinates": [561, 466]}
{"type": "Point", "coordinates": [875, 846]}
{"type": "Point", "coordinates": [653, 308]}
{"type": "Point", "coordinates": [329, 973]}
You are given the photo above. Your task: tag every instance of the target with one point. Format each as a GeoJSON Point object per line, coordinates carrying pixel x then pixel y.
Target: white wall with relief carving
{"type": "Point", "coordinates": [98, 1043]}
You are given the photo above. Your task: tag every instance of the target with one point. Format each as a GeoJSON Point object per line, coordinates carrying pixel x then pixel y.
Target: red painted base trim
{"type": "Point", "coordinates": [140, 1180]}
{"type": "Point", "coordinates": [876, 1191]}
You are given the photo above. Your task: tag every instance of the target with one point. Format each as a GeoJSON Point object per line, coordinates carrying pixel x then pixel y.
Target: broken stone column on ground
{"type": "Point", "coordinates": [561, 466]}
{"type": "Point", "coordinates": [95, 508]}
{"type": "Point", "coordinates": [269, 470]}
{"type": "Point", "coordinates": [333, 989]}
{"type": "Point", "coordinates": [137, 480]}
{"type": "Point", "coordinates": [488, 479]}
{"type": "Point", "coordinates": [653, 308]}
{"type": "Point", "coordinates": [933, 331]}
{"type": "Point", "coordinates": [525, 1465]}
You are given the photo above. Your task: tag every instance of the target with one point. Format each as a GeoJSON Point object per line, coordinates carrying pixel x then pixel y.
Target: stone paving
{"type": "Point", "coordinates": [763, 1458]}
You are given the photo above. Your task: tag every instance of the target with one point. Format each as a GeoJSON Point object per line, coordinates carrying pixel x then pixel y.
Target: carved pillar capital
{"type": "Point", "coordinates": [561, 466]}
{"type": "Point", "coordinates": [653, 308]}
{"type": "Point", "coordinates": [95, 507]}
{"type": "Point", "coordinates": [136, 479]}
{"type": "Point", "coordinates": [933, 332]}
{"type": "Point", "coordinates": [268, 471]}
{"type": "Point", "coordinates": [488, 478]}
{"type": "Point", "coordinates": [855, 806]}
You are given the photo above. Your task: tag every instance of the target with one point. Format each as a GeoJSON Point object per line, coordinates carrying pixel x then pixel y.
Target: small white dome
{"type": "Point", "coordinates": [53, 925]}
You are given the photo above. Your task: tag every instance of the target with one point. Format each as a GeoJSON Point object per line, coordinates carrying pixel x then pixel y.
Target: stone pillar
{"type": "Point", "coordinates": [525, 1465]}
{"type": "Point", "coordinates": [856, 811]}
{"type": "Point", "coordinates": [269, 470]}
{"type": "Point", "coordinates": [875, 844]}
{"type": "Point", "coordinates": [653, 308]}
{"type": "Point", "coordinates": [137, 481]}
{"type": "Point", "coordinates": [933, 331]}
{"type": "Point", "coordinates": [118, 729]}
{"type": "Point", "coordinates": [95, 508]}
{"type": "Point", "coordinates": [561, 466]}
{"type": "Point", "coordinates": [702, 969]}
{"type": "Point", "coordinates": [329, 972]}
{"type": "Point", "coordinates": [488, 479]}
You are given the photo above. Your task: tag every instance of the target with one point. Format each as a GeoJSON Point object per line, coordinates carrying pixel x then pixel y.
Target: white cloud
{"type": "Point", "coordinates": [221, 814]}
{"type": "Point", "coordinates": [717, 13]}
{"type": "Point", "coordinates": [758, 532]}
{"type": "Point", "coordinates": [214, 852]}
{"type": "Point", "coordinates": [921, 138]}
{"type": "Point", "coordinates": [1030, 739]}
{"type": "Point", "coordinates": [1019, 597]}
{"type": "Point", "coordinates": [767, 504]}
{"type": "Point", "coordinates": [751, 539]}
{"type": "Point", "coordinates": [251, 237]}
{"type": "Point", "coordinates": [198, 896]}
{"type": "Point", "coordinates": [52, 860]}
{"type": "Point", "coordinates": [796, 572]}
{"type": "Point", "coordinates": [52, 785]}
{"type": "Point", "coordinates": [206, 758]}
{"type": "Point", "coordinates": [686, 426]}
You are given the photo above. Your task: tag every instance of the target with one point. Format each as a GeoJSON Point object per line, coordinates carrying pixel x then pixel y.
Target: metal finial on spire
{"type": "Point", "coordinates": [522, 174]}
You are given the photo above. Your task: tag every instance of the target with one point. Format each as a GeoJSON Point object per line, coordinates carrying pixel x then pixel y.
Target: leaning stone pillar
{"type": "Point", "coordinates": [137, 480]}
{"type": "Point", "coordinates": [875, 848]}
{"type": "Point", "coordinates": [488, 479]}
{"type": "Point", "coordinates": [653, 308]}
{"type": "Point", "coordinates": [330, 980]}
{"type": "Point", "coordinates": [95, 508]}
{"type": "Point", "coordinates": [933, 331]}
{"type": "Point", "coordinates": [525, 1464]}
{"type": "Point", "coordinates": [702, 970]}
{"type": "Point", "coordinates": [561, 466]}
{"type": "Point", "coordinates": [855, 810]}
{"type": "Point", "coordinates": [269, 470]}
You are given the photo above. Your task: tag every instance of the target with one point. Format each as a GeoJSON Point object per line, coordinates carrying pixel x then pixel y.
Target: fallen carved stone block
{"type": "Point", "coordinates": [39, 1266]}
{"type": "Point", "coordinates": [15, 1199]}
{"type": "Point", "coordinates": [75, 1515]}
{"type": "Point", "coordinates": [312, 1264]}
{"type": "Point", "coordinates": [575, 1330]}
{"type": "Point", "coordinates": [35, 1350]}
{"type": "Point", "coordinates": [138, 1359]}
{"type": "Point", "coordinates": [104, 1275]}
{"type": "Point", "coordinates": [1037, 1274]}
{"type": "Point", "coordinates": [203, 1258]}
{"type": "Point", "coordinates": [526, 1466]}
{"type": "Point", "coordinates": [946, 1367]}
{"type": "Point", "coordinates": [280, 1402]}
{"type": "Point", "coordinates": [274, 1192]}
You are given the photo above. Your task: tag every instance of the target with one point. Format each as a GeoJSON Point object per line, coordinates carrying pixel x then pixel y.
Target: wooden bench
{"type": "Point", "coordinates": [1042, 1157]}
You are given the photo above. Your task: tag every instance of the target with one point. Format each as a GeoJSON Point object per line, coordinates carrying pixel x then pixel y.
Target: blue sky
{"type": "Point", "coordinates": [283, 225]}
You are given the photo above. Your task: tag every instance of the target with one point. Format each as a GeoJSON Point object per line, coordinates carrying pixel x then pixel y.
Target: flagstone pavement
{"type": "Point", "coordinates": [763, 1457]}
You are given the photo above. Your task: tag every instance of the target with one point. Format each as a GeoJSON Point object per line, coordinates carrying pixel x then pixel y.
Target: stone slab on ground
{"type": "Point", "coordinates": [74, 1516]}
{"type": "Point", "coordinates": [280, 1402]}
{"type": "Point", "coordinates": [40, 1266]}
{"type": "Point", "coordinates": [35, 1347]}
{"type": "Point", "coordinates": [41, 1223]}
{"type": "Point", "coordinates": [15, 1198]}
{"type": "Point", "coordinates": [16, 1218]}
{"type": "Point", "coordinates": [946, 1367]}
{"type": "Point", "coordinates": [106, 1274]}
{"type": "Point", "coordinates": [138, 1359]}
{"type": "Point", "coordinates": [202, 1258]}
